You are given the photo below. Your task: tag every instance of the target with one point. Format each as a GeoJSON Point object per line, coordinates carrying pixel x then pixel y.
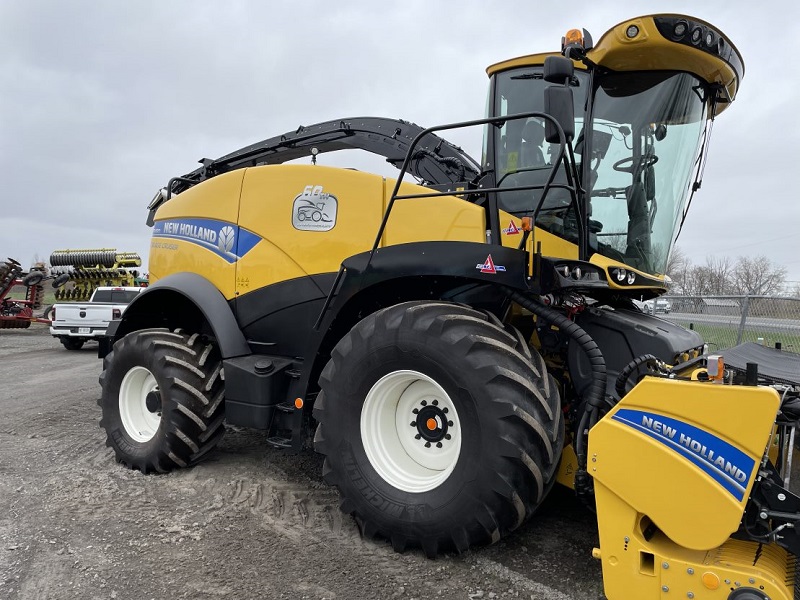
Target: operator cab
{"type": "Point", "coordinates": [640, 153]}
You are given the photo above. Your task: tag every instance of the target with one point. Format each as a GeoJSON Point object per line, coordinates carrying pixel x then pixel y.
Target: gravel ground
{"type": "Point", "coordinates": [249, 522]}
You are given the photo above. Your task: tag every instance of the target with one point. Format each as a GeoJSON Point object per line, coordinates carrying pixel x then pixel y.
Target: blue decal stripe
{"type": "Point", "coordinates": [230, 257]}
{"type": "Point", "coordinates": [226, 240]}
{"type": "Point", "coordinates": [730, 484]}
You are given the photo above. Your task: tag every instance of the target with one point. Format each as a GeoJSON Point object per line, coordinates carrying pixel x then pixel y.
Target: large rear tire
{"type": "Point", "coordinates": [436, 430]}
{"type": "Point", "coordinates": [162, 399]}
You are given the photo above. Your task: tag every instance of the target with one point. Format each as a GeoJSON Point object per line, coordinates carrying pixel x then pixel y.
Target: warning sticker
{"type": "Point", "coordinates": [488, 266]}
{"type": "Point", "coordinates": [511, 229]}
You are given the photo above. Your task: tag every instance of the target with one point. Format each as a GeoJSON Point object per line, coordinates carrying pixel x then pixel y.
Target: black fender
{"type": "Point", "coordinates": [184, 300]}
{"type": "Point", "coordinates": [446, 270]}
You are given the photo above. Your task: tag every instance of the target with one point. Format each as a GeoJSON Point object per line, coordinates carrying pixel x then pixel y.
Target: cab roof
{"type": "Point", "coordinates": [662, 42]}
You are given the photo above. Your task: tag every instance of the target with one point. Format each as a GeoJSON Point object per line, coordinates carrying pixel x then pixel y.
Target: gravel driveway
{"type": "Point", "coordinates": [249, 522]}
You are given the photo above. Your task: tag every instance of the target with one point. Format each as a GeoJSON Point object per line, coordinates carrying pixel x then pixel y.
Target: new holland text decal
{"type": "Point", "coordinates": [726, 464]}
{"type": "Point", "coordinates": [488, 266]}
{"type": "Point", "coordinates": [226, 240]}
{"type": "Point", "coordinates": [314, 210]}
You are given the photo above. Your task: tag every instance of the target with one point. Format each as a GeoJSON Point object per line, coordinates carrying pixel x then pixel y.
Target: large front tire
{"type": "Point", "coordinates": [162, 399]}
{"type": "Point", "coordinates": [437, 431]}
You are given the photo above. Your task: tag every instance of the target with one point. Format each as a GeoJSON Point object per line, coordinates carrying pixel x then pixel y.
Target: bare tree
{"type": "Point", "coordinates": [678, 267]}
{"type": "Point", "coordinates": [757, 276]}
{"type": "Point", "coordinates": [713, 278]}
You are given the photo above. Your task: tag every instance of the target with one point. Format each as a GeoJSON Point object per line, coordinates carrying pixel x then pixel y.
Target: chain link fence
{"type": "Point", "coordinates": [726, 321]}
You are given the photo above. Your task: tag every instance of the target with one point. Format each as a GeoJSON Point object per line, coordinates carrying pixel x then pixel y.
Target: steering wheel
{"type": "Point", "coordinates": [645, 161]}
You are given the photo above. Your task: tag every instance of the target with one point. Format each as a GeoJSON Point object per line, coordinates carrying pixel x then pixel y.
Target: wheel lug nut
{"type": "Point", "coordinates": [436, 403]}
{"type": "Point", "coordinates": [424, 403]}
{"type": "Point", "coordinates": [449, 423]}
{"type": "Point", "coordinates": [413, 423]}
{"type": "Point", "coordinates": [438, 444]}
{"type": "Point", "coordinates": [427, 444]}
{"type": "Point", "coordinates": [416, 437]}
{"type": "Point", "coordinates": [447, 436]}
{"type": "Point", "coordinates": [415, 411]}
{"type": "Point", "coordinates": [444, 410]}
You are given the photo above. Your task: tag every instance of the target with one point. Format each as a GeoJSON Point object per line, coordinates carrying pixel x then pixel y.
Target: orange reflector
{"type": "Point", "coordinates": [710, 580]}
{"type": "Point", "coordinates": [298, 403]}
{"type": "Point", "coordinates": [431, 423]}
{"type": "Point", "coordinates": [574, 36]}
{"type": "Point", "coordinates": [527, 223]}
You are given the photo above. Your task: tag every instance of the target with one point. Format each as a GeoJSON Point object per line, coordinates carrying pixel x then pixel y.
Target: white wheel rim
{"type": "Point", "coordinates": [396, 449]}
{"type": "Point", "coordinates": [139, 423]}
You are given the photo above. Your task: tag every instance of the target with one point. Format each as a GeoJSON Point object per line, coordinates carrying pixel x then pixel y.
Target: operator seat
{"type": "Point", "coordinates": [531, 152]}
{"type": "Point", "coordinates": [638, 246]}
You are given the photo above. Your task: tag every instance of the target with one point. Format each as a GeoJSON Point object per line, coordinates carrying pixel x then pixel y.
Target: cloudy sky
{"type": "Point", "coordinates": [101, 103]}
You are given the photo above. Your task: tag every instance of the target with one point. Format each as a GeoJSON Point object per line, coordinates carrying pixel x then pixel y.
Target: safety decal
{"type": "Point", "coordinates": [488, 266]}
{"type": "Point", "coordinates": [314, 210]}
{"type": "Point", "coordinates": [226, 240]}
{"type": "Point", "coordinates": [723, 462]}
{"type": "Point", "coordinates": [511, 229]}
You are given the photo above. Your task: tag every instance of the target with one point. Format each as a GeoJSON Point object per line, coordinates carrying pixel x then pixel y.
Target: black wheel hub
{"type": "Point", "coordinates": [153, 401]}
{"type": "Point", "coordinates": [432, 423]}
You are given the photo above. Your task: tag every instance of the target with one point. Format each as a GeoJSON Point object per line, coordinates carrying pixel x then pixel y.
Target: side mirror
{"type": "Point", "coordinates": [558, 98]}
{"type": "Point", "coordinates": [558, 104]}
{"type": "Point", "coordinates": [558, 69]}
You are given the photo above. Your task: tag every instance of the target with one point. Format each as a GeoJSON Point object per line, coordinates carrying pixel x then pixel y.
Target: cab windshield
{"type": "Point", "coordinates": [636, 160]}
{"type": "Point", "coordinates": [645, 136]}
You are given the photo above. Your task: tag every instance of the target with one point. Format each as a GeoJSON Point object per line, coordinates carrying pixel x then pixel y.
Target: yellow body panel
{"type": "Point", "coordinates": [614, 51]}
{"type": "Point", "coordinates": [273, 203]}
{"type": "Point", "coordinates": [218, 199]}
{"type": "Point", "coordinates": [529, 60]}
{"type": "Point", "coordinates": [640, 462]}
{"type": "Point", "coordinates": [430, 219]}
{"type": "Point", "coordinates": [654, 281]}
{"type": "Point", "coordinates": [654, 567]}
{"type": "Point", "coordinates": [662, 502]}
{"type": "Point", "coordinates": [567, 467]}
{"type": "Point", "coordinates": [290, 221]}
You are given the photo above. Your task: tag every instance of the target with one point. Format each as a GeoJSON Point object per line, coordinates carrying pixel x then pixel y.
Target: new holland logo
{"type": "Point", "coordinates": [226, 240]}
{"type": "Point", "coordinates": [227, 236]}
{"type": "Point", "coordinates": [488, 266]}
{"type": "Point", "coordinates": [511, 229]}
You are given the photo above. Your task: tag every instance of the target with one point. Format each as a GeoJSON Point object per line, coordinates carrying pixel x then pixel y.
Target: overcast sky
{"type": "Point", "coordinates": [101, 103]}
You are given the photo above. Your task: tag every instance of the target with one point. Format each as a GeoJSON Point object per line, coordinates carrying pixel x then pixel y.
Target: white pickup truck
{"type": "Point", "coordinates": [75, 323]}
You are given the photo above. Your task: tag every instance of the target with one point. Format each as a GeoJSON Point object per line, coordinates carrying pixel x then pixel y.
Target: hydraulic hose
{"type": "Point", "coordinates": [594, 398]}
{"type": "Point", "coordinates": [626, 373]}
{"type": "Point", "coordinates": [449, 161]}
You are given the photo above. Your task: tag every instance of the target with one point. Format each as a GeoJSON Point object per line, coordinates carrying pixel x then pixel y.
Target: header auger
{"type": "Point", "coordinates": [457, 346]}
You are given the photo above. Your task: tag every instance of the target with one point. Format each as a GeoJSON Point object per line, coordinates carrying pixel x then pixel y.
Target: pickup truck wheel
{"type": "Point", "coordinates": [162, 399]}
{"type": "Point", "coordinates": [437, 431]}
{"type": "Point", "coordinates": [71, 343]}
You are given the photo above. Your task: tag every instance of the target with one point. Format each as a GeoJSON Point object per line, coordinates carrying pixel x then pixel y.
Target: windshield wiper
{"type": "Point", "coordinates": [573, 81]}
